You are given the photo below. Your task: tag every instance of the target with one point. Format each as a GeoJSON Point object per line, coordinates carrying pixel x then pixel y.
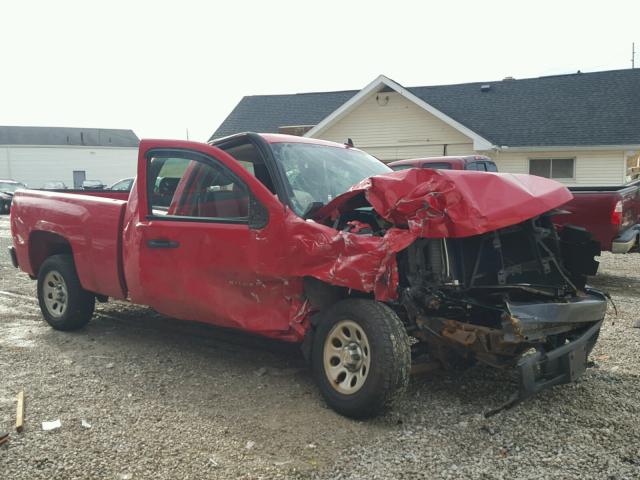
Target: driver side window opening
{"type": "Point", "coordinates": [185, 184]}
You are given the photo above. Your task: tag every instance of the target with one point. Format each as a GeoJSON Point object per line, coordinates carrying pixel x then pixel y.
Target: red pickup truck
{"type": "Point", "coordinates": [611, 214]}
{"type": "Point", "coordinates": [478, 163]}
{"type": "Point", "coordinates": [320, 243]}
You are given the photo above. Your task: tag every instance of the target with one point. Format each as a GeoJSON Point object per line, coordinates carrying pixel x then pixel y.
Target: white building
{"type": "Point", "coordinates": [580, 129]}
{"type": "Point", "coordinates": [36, 155]}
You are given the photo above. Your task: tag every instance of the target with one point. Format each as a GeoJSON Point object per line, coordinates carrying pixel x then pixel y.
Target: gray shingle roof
{"type": "Point", "coordinates": [599, 108]}
{"type": "Point", "coordinates": [91, 137]}
{"type": "Point", "coordinates": [265, 113]}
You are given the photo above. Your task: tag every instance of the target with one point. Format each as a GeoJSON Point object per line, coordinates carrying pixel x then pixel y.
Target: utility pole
{"type": "Point", "coordinates": [187, 134]}
{"type": "Point", "coordinates": [633, 55]}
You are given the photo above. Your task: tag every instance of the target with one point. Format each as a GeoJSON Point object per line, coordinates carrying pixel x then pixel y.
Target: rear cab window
{"type": "Point", "coordinates": [437, 165]}
{"type": "Point", "coordinates": [477, 166]}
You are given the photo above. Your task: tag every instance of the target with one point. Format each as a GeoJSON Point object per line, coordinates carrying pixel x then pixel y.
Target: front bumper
{"type": "Point", "coordinates": [563, 333]}
{"type": "Point", "coordinates": [535, 321]}
{"type": "Point", "coordinates": [545, 369]}
{"type": "Point", "coordinates": [562, 365]}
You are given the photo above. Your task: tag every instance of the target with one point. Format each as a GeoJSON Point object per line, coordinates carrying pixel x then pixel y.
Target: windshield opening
{"type": "Point", "coordinates": [316, 174]}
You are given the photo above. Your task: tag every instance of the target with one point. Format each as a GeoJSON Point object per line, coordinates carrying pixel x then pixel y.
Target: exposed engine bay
{"type": "Point", "coordinates": [496, 296]}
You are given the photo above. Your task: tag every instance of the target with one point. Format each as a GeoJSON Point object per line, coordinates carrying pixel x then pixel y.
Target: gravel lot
{"type": "Point", "coordinates": [168, 399]}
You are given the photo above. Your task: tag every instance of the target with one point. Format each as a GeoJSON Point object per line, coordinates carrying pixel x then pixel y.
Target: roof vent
{"type": "Point", "coordinates": [508, 78]}
{"type": "Point", "coordinates": [485, 88]}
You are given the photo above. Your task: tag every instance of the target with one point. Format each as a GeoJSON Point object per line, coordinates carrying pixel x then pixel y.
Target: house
{"type": "Point", "coordinates": [36, 155]}
{"type": "Point", "coordinates": [581, 129]}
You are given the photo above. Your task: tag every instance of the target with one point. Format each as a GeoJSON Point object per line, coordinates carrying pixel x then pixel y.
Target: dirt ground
{"type": "Point", "coordinates": [174, 400]}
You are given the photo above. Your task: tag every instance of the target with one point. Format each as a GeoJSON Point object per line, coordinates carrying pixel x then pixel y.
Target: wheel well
{"type": "Point", "coordinates": [322, 295]}
{"type": "Point", "coordinates": [44, 244]}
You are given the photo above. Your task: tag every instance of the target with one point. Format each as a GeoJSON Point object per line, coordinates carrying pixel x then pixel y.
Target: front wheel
{"type": "Point", "coordinates": [65, 305]}
{"type": "Point", "coordinates": [361, 357]}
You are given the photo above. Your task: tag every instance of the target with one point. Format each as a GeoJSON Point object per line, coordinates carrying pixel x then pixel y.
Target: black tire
{"type": "Point", "coordinates": [389, 359]}
{"type": "Point", "coordinates": [79, 303]}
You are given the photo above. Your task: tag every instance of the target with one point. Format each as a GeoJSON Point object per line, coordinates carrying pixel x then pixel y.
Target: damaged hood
{"type": "Point", "coordinates": [451, 203]}
{"type": "Point", "coordinates": [416, 203]}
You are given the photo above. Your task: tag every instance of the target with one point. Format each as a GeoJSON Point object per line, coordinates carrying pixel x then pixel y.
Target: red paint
{"type": "Point", "coordinates": [91, 225]}
{"type": "Point", "coordinates": [456, 163]}
{"type": "Point", "coordinates": [251, 279]}
{"type": "Point", "coordinates": [452, 203]}
{"type": "Point", "coordinates": [113, 194]}
{"type": "Point", "coordinates": [607, 212]}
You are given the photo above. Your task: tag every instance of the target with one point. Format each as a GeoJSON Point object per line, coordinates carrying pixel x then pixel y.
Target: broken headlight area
{"type": "Point", "coordinates": [493, 297]}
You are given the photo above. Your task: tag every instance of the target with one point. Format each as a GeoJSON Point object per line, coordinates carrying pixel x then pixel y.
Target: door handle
{"type": "Point", "coordinates": [162, 244]}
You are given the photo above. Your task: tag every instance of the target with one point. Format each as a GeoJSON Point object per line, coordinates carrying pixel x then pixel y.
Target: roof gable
{"type": "Point", "coordinates": [381, 83]}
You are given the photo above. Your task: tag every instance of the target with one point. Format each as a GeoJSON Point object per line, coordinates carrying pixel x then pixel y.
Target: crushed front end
{"type": "Point", "coordinates": [512, 297]}
{"type": "Point", "coordinates": [474, 266]}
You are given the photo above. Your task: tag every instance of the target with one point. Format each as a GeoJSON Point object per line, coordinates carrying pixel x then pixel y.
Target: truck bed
{"type": "Point", "coordinates": [87, 224]}
{"type": "Point", "coordinates": [594, 208]}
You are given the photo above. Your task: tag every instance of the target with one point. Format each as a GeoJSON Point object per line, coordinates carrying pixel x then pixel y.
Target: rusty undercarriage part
{"type": "Point", "coordinates": [484, 343]}
{"type": "Point", "coordinates": [507, 299]}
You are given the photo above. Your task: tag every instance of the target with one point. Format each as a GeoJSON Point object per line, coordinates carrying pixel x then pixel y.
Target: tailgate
{"type": "Point", "coordinates": [592, 211]}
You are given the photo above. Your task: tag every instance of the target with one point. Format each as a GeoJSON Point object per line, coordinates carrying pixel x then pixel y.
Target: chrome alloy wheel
{"type": "Point", "coordinates": [55, 294]}
{"type": "Point", "coordinates": [347, 357]}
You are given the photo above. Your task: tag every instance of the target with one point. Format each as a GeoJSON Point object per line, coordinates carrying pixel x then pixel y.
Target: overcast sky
{"type": "Point", "coordinates": [162, 67]}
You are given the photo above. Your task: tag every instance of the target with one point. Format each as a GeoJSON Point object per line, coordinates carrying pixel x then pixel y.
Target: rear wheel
{"type": "Point", "coordinates": [361, 357]}
{"type": "Point", "coordinates": [65, 305]}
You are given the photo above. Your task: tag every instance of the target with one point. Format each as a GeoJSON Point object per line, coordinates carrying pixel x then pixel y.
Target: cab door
{"type": "Point", "coordinates": [192, 252]}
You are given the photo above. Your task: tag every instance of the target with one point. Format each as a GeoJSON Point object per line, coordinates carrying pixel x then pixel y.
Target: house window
{"type": "Point", "coordinates": [560, 168]}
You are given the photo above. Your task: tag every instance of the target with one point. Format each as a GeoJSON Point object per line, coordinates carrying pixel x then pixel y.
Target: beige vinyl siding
{"type": "Point", "coordinates": [394, 128]}
{"type": "Point", "coordinates": [595, 168]}
{"type": "Point", "coordinates": [390, 127]}
{"type": "Point", "coordinates": [390, 154]}
{"type": "Point", "coordinates": [461, 150]}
